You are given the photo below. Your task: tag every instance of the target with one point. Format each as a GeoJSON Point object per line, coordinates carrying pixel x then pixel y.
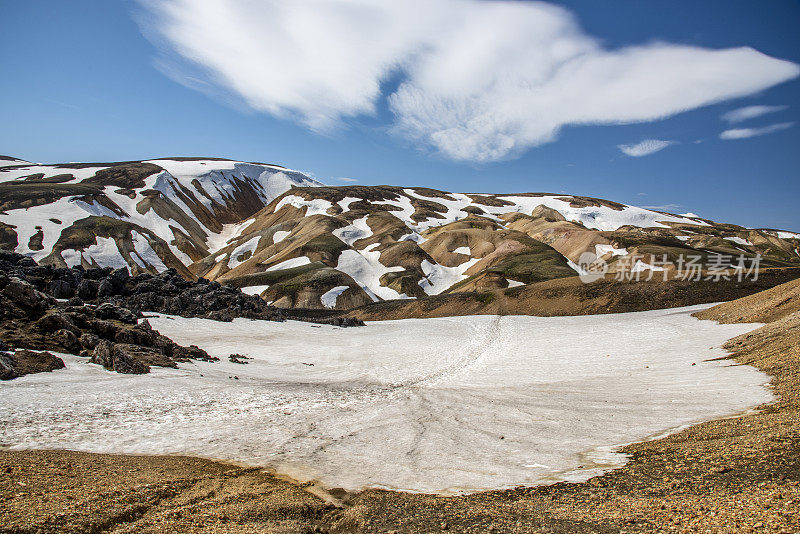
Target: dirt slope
{"type": "Point", "coordinates": [569, 296]}
{"type": "Point", "coordinates": [763, 307]}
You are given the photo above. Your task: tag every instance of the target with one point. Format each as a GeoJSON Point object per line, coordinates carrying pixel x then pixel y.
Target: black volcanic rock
{"type": "Point", "coordinates": [25, 362]}
{"type": "Point", "coordinates": [107, 331]}
{"type": "Point", "coordinates": [104, 306]}
{"type": "Point", "coordinates": [111, 311]}
{"type": "Point", "coordinates": [117, 357]}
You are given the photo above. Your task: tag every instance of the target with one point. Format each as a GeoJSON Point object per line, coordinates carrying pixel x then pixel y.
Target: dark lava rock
{"type": "Point", "coordinates": [192, 352]}
{"type": "Point", "coordinates": [238, 358]}
{"type": "Point", "coordinates": [55, 321]}
{"type": "Point", "coordinates": [68, 340]}
{"type": "Point", "coordinates": [100, 318]}
{"type": "Point", "coordinates": [87, 289]}
{"type": "Point", "coordinates": [26, 296]}
{"type": "Point", "coordinates": [25, 362]}
{"type": "Point", "coordinates": [111, 311]}
{"type": "Point", "coordinates": [116, 357]}
{"type": "Point", "coordinates": [6, 367]}
{"type": "Point", "coordinates": [61, 289]}
{"type": "Point", "coordinates": [89, 341]}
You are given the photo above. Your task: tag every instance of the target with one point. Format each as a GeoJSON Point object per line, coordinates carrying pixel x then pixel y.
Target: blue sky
{"type": "Point", "coordinates": [82, 82]}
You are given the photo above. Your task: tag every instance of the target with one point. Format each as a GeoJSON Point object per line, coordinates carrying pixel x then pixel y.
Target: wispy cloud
{"type": "Point", "coordinates": [62, 104]}
{"type": "Point", "coordinates": [750, 112]}
{"type": "Point", "coordinates": [343, 179]}
{"type": "Point", "coordinates": [645, 148]}
{"type": "Point", "coordinates": [478, 80]}
{"type": "Point", "coordinates": [744, 133]}
{"type": "Point", "coordinates": [663, 207]}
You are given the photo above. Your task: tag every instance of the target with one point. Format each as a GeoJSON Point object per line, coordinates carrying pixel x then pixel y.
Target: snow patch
{"type": "Point", "coordinates": [602, 250]}
{"type": "Point", "coordinates": [254, 290]}
{"type": "Point", "coordinates": [217, 241]}
{"type": "Point", "coordinates": [396, 404]}
{"type": "Point", "coordinates": [279, 236]}
{"type": "Point", "coordinates": [358, 229]}
{"type": "Point", "coordinates": [365, 268]}
{"type": "Point", "coordinates": [439, 278]}
{"type": "Point", "coordinates": [739, 241]}
{"type": "Point", "coordinates": [248, 246]}
{"type": "Point", "coordinates": [104, 253]}
{"type": "Point", "coordinates": [145, 253]}
{"type": "Point", "coordinates": [788, 235]}
{"type": "Point", "coordinates": [346, 201]}
{"type": "Point", "coordinates": [577, 268]}
{"type": "Point", "coordinates": [328, 299]}
{"type": "Point", "coordinates": [288, 264]}
{"type": "Point", "coordinates": [317, 206]}
{"type": "Point", "coordinates": [641, 266]}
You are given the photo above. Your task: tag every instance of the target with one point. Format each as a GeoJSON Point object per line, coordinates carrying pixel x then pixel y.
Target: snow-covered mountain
{"type": "Point", "coordinates": [144, 215]}
{"type": "Point", "coordinates": [280, 234]}
{"type": "Point", "coordinates": [349, 246]}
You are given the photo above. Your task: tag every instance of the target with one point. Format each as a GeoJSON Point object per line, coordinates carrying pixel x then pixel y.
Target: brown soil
{"type": "Point", "coordinates": [732, 475]}
{"type": "Point", "coordinates": [569, 296]}
{"type": "Point", "coordinates": [764, 307]}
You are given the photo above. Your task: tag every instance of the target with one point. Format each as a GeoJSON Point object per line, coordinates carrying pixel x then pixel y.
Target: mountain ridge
{"type": "Point", "coordinates": [278, 233]}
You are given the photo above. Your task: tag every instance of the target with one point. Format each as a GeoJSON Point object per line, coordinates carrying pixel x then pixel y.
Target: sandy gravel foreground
{"type": "Point", "coordinates": [734, 475]}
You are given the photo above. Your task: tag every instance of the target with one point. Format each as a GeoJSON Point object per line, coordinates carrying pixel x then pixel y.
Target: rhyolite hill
{"type": "Point", "coordinates": [280, 234]}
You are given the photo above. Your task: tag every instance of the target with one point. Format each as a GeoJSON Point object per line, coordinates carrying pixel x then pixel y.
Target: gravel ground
{"type": "Point", "coordinates": [733, 475]}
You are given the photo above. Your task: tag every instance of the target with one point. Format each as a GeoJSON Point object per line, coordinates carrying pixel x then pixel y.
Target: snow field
{"type": "Point", "coordinates": [437, 405]}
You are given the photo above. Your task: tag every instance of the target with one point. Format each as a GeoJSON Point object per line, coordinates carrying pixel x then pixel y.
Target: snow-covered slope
{"type": "Point", "coordinates": [148, 214]}
{"type": "Point", "coordinates": [393, 243]}
{"type": "Point", "coordinates": [300, 244]}
{"type": "Point", "coordinates": [8, 161]}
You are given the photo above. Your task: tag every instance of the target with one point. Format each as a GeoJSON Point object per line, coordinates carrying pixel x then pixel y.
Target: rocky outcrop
{"type": "Point", "coordinates": [98, 314]}
{"type": "Point", "coordinates": [122, 297]}
{"type": "Point", "coordinates": [25, 362]}
{"type": "Point", "coordinates": [108, 333]}
{"type": "Point", "coordinates": [117, 357]}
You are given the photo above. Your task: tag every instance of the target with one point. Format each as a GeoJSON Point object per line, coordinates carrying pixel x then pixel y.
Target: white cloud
{"type": "Point", "coordinates": [343, 179]}
{"type": "Point", "coordinates": [744, 133]}
{"type": "Point", "coordinates": [750, 112]}
{"type": "Point", "coordinates": [478, 80]}
{"type": "Point", "coordinates": [645, 148]}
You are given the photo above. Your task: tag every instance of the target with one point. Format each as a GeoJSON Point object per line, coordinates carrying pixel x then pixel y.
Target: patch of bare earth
{"type": "Point", "coordinates": [733, 475]}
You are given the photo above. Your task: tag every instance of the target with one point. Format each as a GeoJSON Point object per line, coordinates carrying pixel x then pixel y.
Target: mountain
{"type": "Point", "coordinates": [144, 215]}
{"type": "Point", "coordinates": [280, 234]}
